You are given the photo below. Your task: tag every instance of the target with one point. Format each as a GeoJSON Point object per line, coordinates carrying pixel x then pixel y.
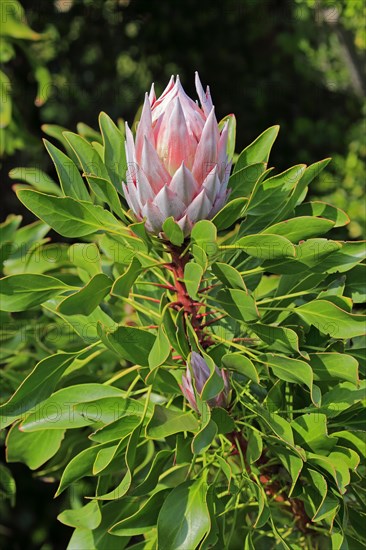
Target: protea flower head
{"type": "Point", "coordinates": [178, 165]}
{"type": "Point", "coordinates": [201, 373]}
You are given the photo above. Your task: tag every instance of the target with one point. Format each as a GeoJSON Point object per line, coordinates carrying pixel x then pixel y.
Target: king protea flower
{"type": "Point", "coordinates": [201, 374]}
{"type": "Point", "coordinates": [179, 164]}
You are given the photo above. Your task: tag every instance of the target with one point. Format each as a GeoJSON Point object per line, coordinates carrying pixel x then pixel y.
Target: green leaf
{"type": "Point", "coordinates": [142, 521]}
{"type": "Point", "coordinates": [278, 338]}
{"type": "Point", "coordinates": [203, 439]}
{"type": "Point", "coordinates": [37, 178]}
{"type": "Point", "coordinates": [152, 477]}
{"type": "Point", "coordinates": [334, 466]}
{"type": "Point", "coordinates": [255, 447]}
{"type": "Point", "coordinates": [311, 432]}
{"type": "Point", "coordinates": [160, 350]}
{"type": "Point", "coordinates": [355, 440]}
{"type": "Point", "coordinates": [280, 427]}
{"type": "Point", "coordinates": [300, 228]}
{"type": "Point", "coordinates": [114, 150]}
{"type": "Point", "coordinates": [130, 458]}
{"type": "Point", "coordinates": [223, 420]}
{"type": "Point", "coordinates": [310, 255]}
{"type": "Point", "coordinates": [24, 291]}
{"type": "Point", "coordinates": [325, 210]}
{"type": "Point", "coordinates": [230, 213]}
{"type": "Point", "coordinates": [117, 429]}
{"type": "Point", "coordinates": [347, 257]}
{"type": "Point", "coordinates": [230, 148]}
{"type": "Point", "coordinates": [87, 258]}
{"type": "Point", "coordinates": [86, 517]}
{"type": "Point", "coordinates": [332, 367]}
{"type": "Point", "coordinates": [291, 370]}
{"type": "Point", "coordinates": [214, 384]}
{"type": "Point", "coordinates": [341, 397]}
{"type": "Point", "coordinates": [36, 387]}
{"type": "Point", "coordinates": [243, 181]}
{"type": "Point", "coordinates": [184, 518]}
{"type": "Point", "coordinates": [70, 217]}
{"type": "Point", "coordinates": [292, 462]}
{"type": "Point", "coordinates": [131, 343]}
{"type": "Point", "coordinates": [61, 409]}
{"type": "Point", "coordinates": [122, 285]}
{"type": "Point", "coordinates": [173, 232]}
{"type": "Point", "coordinates": [356, 284]}
{"type": "Point", "coordinates": [237, 362]}
{"type": "Point", "coordinates": [89, 159]}
{"type": "Point", "coordinates": [71, 182]}
{"type": "Point", "coordinates": [238, 304]}
{"type": "Point", "coordinates": [204, 234]}
{"type": "Point", "coordinates": [57, 132]}
{"type": "Point", "coordinates": [258, 150]}
{"type": "Point", "coordinates": [266, 247]}
{"type": "Point", "coordinates": [165, 422]}
{"type": "Point", "coordinates": [88, 298]}
{"type": "Point", "coordinates": [106, 192]}
{"type": "Point", "coordinates": [316, 492]}
{"type": "Point", "coordinates": [85, 326]}
{"type": "Point", "coordinates": [228, 275]}
{"type": "Point", "coordinates": [105, 457]}
{"type": "Point", "coordinates": [271, 194]}
{"type": "Point", "coordinates": [34, 449]}
{"type": "Point", "coordinates": [81, 465]}
{"type": "Point", "coordinates": [308, 176]}
{"type": "Point", "coordinates": [330, 319]}
{"type": "Point", "coordinates": [192, 278]}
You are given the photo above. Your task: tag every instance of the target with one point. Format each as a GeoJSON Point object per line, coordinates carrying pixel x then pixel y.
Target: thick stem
{"type": "Point", "coordinates": [190, 306]}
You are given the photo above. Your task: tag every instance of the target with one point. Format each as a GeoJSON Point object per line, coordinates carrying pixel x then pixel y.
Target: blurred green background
{"type": "Point", "coordinates": [297, 63]}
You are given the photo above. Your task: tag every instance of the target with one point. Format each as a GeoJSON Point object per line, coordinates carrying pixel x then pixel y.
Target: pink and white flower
{"type": "Point", "coordinates": [178, 164]}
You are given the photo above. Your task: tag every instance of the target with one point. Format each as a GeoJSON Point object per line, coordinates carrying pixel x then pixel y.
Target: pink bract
{"type": "Point", "coordinates": [178, 164]}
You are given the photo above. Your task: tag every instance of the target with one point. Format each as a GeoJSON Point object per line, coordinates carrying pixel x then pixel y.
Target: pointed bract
{"type": "Point", "coordinates": [195, 379]}
{"type": "Point", "coordinates": [179, 164]}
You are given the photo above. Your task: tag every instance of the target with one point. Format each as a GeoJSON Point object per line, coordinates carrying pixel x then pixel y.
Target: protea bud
{"type": "Point", "coordinates": [201, 373]}
{"type": "Point", "coordinates": [179, 164]}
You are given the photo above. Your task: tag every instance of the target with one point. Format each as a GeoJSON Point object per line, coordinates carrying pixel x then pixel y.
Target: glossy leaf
{"type": "Point", "coordinates": [88, 298]}
{"type": "Point", "coordinates": [332, 320]}
{"type": "Point", "coordinates": [238, 304]}
{"type": "Point", "coordinates": [22, 292]}
{"type": "Point", "coordinates": [32, 449]}
{"type": "Point", "coordinates": [69, 217]}
{"type": "Point", "coordinates": [71, 182]}
{"type": "Point", "coordinates": [122, 285]}
{"type": "Point", "coordinates": [165, 422]}
{"type": "Point", "coordinates": [259, 150]}
{"type": "Point", "coordinates": [173, 231]}
{"type": "Point", "coordinates": [184, 519]}
{"type": "Point", "coordinates": [87, 517]}
{"type": "Point", "coordinates": [131, 343]}
{"type": "Point", "coordinates": [266, 247]}
{"type": "Point", "coordinates": [239, 363]}
{"type": "Point", "coordinates": [192, 278]}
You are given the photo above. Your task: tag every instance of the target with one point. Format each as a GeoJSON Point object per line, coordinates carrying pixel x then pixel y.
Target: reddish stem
{"type": "Point", "coordinates": [190, 307]}
{"type": "Point", "coordinates": [212, 321]}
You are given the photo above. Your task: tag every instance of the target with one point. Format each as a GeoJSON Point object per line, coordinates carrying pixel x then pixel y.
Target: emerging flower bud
{"type": "Point", "coordinates": [201, 374]}
{"type": "Point", "coordinates": [178, 165]}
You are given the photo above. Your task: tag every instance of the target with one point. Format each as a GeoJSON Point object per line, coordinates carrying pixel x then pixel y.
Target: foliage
{"type": "Point", "coordinates": [19, 40]}
{"type": "Point", "coordinates": [98, 323]}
